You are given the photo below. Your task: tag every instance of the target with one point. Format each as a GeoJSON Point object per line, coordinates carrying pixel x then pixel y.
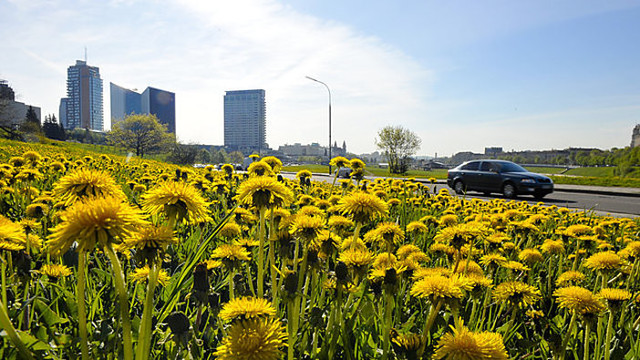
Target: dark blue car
{"type": "Point", "coordinates": [498, 176]}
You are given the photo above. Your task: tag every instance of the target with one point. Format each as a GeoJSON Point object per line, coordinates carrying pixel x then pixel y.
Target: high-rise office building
{"type": "Point", "coordinates": [84, 98]}
{"type": "Point", "coordinates": [245, 120]}
{"type": "Point", "coordinates": [162, 104]}
{"type": "Point", "coordinates": [124, 102]}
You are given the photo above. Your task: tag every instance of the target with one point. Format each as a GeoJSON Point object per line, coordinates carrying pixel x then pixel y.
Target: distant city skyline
{"type": "Point", "coordinates": [463, 75]}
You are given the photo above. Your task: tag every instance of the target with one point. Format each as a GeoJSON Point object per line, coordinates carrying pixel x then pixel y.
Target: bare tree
{"type": "Point", "coordinates": [398, 145]}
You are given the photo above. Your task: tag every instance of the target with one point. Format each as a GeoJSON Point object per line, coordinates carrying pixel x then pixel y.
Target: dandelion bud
{"type": "Point", "coordinates": [390, 277]}
{"type": "Point", "coordinates": [178, 323]}
{"type": "Point", "coordinates": [315, 318]}
{"type": "Point", "coordinates": [200, 278]}
{"type": "Point", "coordinates": [342, 271]}
{"type": "Point", "coordinates": [291, 283]}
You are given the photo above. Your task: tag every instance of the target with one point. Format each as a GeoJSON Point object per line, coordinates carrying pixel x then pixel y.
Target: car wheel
{"type": "Point", "coordinates": [509, 191]}
{"type": "Point", "coordinates": [458, 187]}
{"type": "Point", "coordinates": [539, 196]}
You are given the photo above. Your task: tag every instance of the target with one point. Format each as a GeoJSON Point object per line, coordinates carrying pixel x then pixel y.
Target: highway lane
{"type": "Point", "coordinates": [615, 205]}
{"type": "Point", "coordinates": [620, 206]}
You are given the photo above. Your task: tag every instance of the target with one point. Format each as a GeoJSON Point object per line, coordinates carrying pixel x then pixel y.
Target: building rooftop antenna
{"type": "Point", "coordinates": [85, 54]}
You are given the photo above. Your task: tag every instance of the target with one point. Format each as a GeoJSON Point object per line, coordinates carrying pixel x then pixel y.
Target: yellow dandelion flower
{"type": "Point", "coordinates": [141, 275]}
{"type": "Point", "coordinates": [406, 250]}
{"type": "Point", "coordinates": [306, 227]}
{"type": "Point", "coordinates": [340, 161]}
{"type": "Point", "coordinates": [437, 287]}
{"type": "Point", "coordinates": [357, 164]}
{"type": "Point", "coordinates": [515, 265]}
{"type": "Point", "coordinates": [516, 293]}
{"type": "Point", "coordinates": [448, 220]}
{"type": "Point", "coordinates": [603, 261]}
{"type": "Point", "coordinates": [232, 253]}
{"type": "Point", "coordinates": [550, 246]}
{"type": "Point", "coordinates": [230, 230]}
{"type": "Point", "coordinates": [179, 201]}
{"type": "Point", "coordinates": [614, 297]}
{"type": "Point", "coordinates": [463, 344]}
{"type": "Point", "coordinates": [254, 339]}
{"type": "Point", "coordinates": [357, 258]}
{"type": "Point", "coordinates": [493, 260]}
{"type": "Point", "coordinates": [264, 192]}
{"type": "Point", "coordinates": [304, 174]}
{"type": "Point", "coordinates": [94, 219]}
{"type": "Point", "coordinates": [246, 308]}
{"type": "Point", "coordinates": [260, 168]}
{"type": "Point", "coordinates": [417, 227]}
{"type": "Point", "coordinates": [362, 207]}
{"type": "Point", "coordinates": [9, 246]}
{"type": "Point", "coordinates": [11, 232]}
{"type": "Point", "coordinates": [83, 183]}
{"type": "Point", "coordinates": [442, 248]}
{"type": "Point", "coordinates": [340, 222]}
{"type": "Point", "coordinates": [389, 233]}
{"type": "Point", "coordinates": [570, 277]}
{"type": "Point", "coordinates": [469, 267]}
{"type": "Point", "coordinates": [274, 163]}
{"type": "Point", "coordinates": [579, 299]}
{"type": "Point", "coordinates": [408, 344]}
{"type": "Point", "coordinates": [151, 242]}
{"type": "Point", "coordinates": [55, 271]}
{"type": "Point", "coordinates": [530, 256]}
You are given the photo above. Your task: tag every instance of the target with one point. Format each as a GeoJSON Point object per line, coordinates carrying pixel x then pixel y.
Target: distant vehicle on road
{"type": "Point", "coordinates": [344, 172]}
{"type": "Point", "coordinates": [498, 176]}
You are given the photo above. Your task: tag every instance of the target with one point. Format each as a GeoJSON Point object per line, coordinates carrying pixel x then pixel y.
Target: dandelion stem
{"type": "Point", "coordinates": [261, 254]}
{"type": "Point", "coordinates": [6, 324]}
{"type": "Point", "coordinates": [123, 300]}
{"type": "Point", "coordinates": [144, 334]}
{"type": "Point", "coordinates": [567, 335]}
{"type": "Point", "coordinates": [82, 310]}
{"type": "Point", "coordinates": [388, 311]}
{"type": "Point", "coordinates": [587, 328]}
{"type": "Point", "coordinates": [607, 339]}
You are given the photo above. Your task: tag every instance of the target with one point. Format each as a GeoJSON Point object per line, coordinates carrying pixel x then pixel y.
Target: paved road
{"type": "Point", "coordinates": [601, 204]}
{"type": "Point", "coordinates": [597, 201]}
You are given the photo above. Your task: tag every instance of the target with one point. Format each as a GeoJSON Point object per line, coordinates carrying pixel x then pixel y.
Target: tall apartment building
{"type": "Point", "coordinates": [83, 104]}
{"type": "Point", "coordinates": [154, 101]}
{"type": "Point", "coordinates": [245, 120]}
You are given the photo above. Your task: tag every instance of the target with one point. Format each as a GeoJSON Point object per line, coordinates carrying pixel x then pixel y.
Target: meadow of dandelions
{"type": "Point", "coordinates": [104, 258]}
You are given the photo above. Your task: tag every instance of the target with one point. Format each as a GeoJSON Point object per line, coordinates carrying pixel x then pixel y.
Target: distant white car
{"type": "Point", "coordinates": [344, 172]}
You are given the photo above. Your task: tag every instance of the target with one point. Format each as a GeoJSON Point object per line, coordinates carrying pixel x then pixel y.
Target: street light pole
{"type": "Point", "coordinates": [327, 86]}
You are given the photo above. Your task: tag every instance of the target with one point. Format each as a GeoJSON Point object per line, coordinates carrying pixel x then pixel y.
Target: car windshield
{"type": "Point", "coordinates": [511, 167]}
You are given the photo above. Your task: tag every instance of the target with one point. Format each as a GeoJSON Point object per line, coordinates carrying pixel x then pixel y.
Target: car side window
{"type": "Point", "coordinates": [471, 166]}
{"type": "Point", "coordinates": [489, 166]}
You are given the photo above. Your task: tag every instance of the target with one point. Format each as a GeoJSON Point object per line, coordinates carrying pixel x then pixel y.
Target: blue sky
{"type": "Point", "coordinates": [461, 74]}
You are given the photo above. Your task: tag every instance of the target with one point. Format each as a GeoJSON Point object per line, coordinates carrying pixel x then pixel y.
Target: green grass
{"type": "Point", "coordinates": [592, 171]}
{"type": "Point", "coordinates": [597, 181]}
{"type": "Point", "coordinates": [545, 169]}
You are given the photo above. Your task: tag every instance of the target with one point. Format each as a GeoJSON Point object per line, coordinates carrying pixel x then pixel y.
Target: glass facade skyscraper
{"type": "Point", "coordinates": [124, 102]}
{"type": "Point", "coordinates": [162, 104]}
{"type": "Point", "coordinates": [245, 120]}
{"type": "Point", "coordinates": [84, 98]}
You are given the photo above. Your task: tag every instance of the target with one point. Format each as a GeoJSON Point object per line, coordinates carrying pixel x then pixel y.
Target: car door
{"type": "Point", "coordinates": [489, 176]}
{"type": "Point", "coordinates": [470, 175]}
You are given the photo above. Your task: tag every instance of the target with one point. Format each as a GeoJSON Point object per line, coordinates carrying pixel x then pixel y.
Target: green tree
{"type": "Point", "coordinates": [398, 145]}
{"type": "Point", "coordinates": [142, 133]}
{"type": "Point", "coordinates": [31, 123]}
{"type": "Point", "coordinates": [236, 157]}
{"type": "Point", "coordinates": [183, 154]}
